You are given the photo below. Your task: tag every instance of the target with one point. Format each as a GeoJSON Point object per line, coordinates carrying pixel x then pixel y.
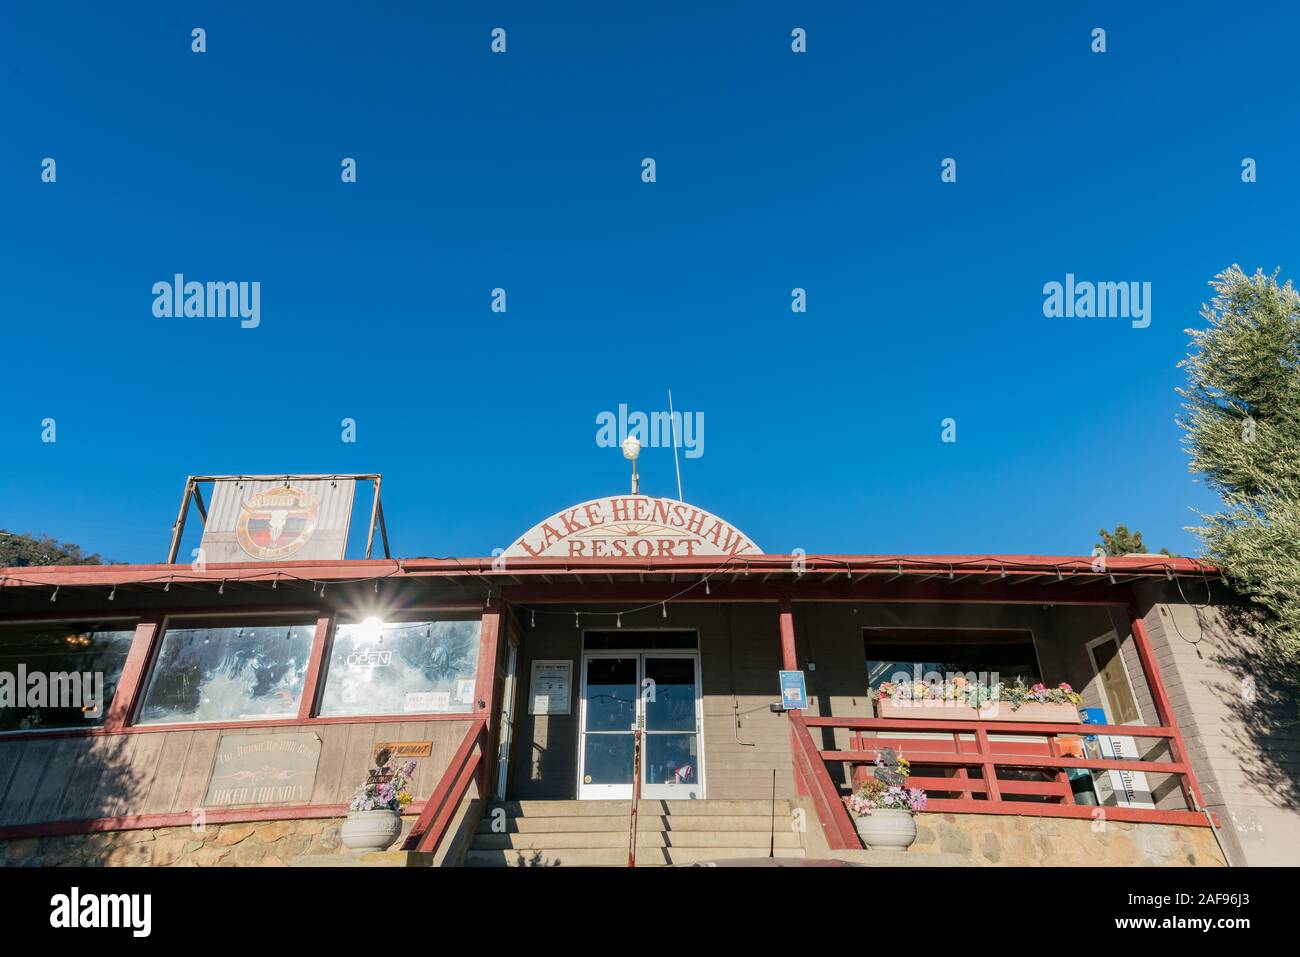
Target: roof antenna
{"type": "Point", "coordinates": [672, 422]}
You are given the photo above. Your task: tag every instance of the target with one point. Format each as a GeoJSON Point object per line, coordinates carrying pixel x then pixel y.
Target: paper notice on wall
{"type": "Point", "coordinates": [464, 690]}
{"type": "Point", "coordinates": [1121, 788]}
{"type": "Point", "coordinates": [425, 701]}
{"type": "Point", "coordinates": [549, 691]}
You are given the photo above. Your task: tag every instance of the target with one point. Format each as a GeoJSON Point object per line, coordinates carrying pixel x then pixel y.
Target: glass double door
{"type": "Point", "coordinates": [658, 692]}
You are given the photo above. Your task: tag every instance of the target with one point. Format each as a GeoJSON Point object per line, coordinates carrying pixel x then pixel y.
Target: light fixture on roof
{"type": "Point", "coordinates": [631, 449]}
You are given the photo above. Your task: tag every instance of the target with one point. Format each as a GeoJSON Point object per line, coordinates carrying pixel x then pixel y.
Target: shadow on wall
{"type": "Point", "coordinates": [65, 779]}
{"type": "Point", "coordinates": [1262, 700]}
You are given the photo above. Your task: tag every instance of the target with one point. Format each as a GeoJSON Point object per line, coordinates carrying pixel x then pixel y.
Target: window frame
{"type": "Point", "coordinates": [414, 615]}
{"type": "Point", "coordinates": [165, 622]}
{"type": "Point", "coordinates": [135, 620]}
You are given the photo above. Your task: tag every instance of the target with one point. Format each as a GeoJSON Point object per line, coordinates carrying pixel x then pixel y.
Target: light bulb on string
{"type": "Point", "coordinates": [619, 620]}
{"type": "Point", "coordinates": [532, 618]}
{"type": "Point", "coordinates": [575, 620]}
{"type": "Point", "coordinates": [665, 609]}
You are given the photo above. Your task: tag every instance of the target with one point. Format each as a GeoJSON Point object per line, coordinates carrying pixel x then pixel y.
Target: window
{"type": "Point", "coordinates": [248, 670]}
{"type": "Point", "coordinates": [395, 667]}
{"type": "Point", "coordinates": [914, 653]}
{"type": "Point", "coordinates": [60, 675]}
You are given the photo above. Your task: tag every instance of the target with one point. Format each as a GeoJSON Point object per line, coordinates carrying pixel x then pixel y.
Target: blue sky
{"type": "Point", "coordinates": [775, 170]}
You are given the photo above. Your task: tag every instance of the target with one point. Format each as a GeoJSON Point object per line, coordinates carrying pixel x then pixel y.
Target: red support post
{"type": "Point", "coordinates": [988, 765]}
{"type": "Point", "coordinates": [789, 654]}
{"type": "Point", "coordinates": [1164, 710]}
{"type": "Point", "coordinates": [315, 666]}
{"type": "Point", "coordinates": [485, 690]}
{"type": "Point", "coordinates": [131, 683]}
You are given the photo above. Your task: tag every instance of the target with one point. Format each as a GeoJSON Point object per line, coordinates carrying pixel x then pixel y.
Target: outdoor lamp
{"type": "Point", "coordinates": [631, 449]}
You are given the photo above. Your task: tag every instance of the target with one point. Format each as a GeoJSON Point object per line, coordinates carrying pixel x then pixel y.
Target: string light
{"type": "Point", "coordinates": [112, 595]}
{"type": "Point", "coordinates": [619, 620]}
{"type": "Point", "coordinates": [665, 609]}
{"type": "Point", "coordinates": [55, 596]}
{"type": "Point", "coordinates": [532, 618]}
{"type": "Point", "coordinates": [706, 587]}
{"type": "Point", "coordinates": [575, 620]}
{"type": "Point", "coordinates": [222, 589]}
{"type": "Point", "coordinates": [168, 586]}
{"type": "Point", "coordinates": [322, 589]}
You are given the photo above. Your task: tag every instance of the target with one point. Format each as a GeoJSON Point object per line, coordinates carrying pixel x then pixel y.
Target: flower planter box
{"type": "Point", "coordinates": [1031, 712]}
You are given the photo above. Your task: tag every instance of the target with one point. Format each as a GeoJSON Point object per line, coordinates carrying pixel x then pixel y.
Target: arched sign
{"type": "Point", "coordinates": [632, 526]}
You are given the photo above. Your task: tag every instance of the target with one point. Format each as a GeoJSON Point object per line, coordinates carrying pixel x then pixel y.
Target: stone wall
{"type": "Point", "coordinates": [995, 839]}
{"type": "Point", "coordinates": [259, 843]}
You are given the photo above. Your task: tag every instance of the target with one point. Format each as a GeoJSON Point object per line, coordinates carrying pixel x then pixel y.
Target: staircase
{"type": "Point", "coordinates": [594, 833]}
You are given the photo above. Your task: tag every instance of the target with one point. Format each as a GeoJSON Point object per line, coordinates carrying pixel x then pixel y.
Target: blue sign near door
{"type": "Point", "coordinates": [794, 693]}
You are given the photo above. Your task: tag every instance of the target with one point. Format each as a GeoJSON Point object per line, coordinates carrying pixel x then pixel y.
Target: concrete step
{"type": "Point", "coordinates": [645, 822]}
{"type": "Point", "coordinates": [614, 808]}
{"type": "Point", "coordinates": [613, 857]}
{"type": "Point", "coordinates": [649, 839]}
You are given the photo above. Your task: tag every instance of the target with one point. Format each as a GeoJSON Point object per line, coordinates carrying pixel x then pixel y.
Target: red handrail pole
{"type": "Point", "coordinates": [821, 781]}
{"type": "Point", "coordinates": [1164, 710]}
{"type": "Point", "coordinates": [636, 796]}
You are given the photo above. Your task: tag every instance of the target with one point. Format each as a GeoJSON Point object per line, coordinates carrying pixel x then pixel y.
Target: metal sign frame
{"type": "Point", "coordinates": [192, 493]}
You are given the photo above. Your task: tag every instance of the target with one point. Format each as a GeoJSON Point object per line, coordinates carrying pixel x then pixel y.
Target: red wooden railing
{"type": "Point", "coordinates": [814, 779]}
{"type": "Point", "coordinates": [975, 761]}
{"type": "Point", "coordinates": [440, 808]}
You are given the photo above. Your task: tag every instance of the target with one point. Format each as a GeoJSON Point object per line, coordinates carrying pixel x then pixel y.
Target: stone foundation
{"type": "Point", "coordinates": [988, 839]}
{"type": "Point", "coordinates": [255, 844]}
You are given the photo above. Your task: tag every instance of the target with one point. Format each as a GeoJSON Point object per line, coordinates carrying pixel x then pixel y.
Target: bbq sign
{"type": "Point", "coordinates": [632, 526]}
{"type": "Point", "coordinates": [269, 521]}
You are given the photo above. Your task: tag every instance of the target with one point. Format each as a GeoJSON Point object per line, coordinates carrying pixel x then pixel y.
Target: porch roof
{"type": "Point", "coordinates": [536, 574]}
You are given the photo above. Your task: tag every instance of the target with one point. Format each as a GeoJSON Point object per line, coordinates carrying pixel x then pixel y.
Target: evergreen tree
{"type": "Point", "coordinates": [20, 550]}
{"type": "Point", "coordinates": [1242, 429]}
{"type": "Point", "coordinates": [1123, 542]}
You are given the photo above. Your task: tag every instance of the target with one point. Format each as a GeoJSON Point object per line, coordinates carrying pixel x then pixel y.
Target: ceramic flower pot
{"type": "Point", "coordinates": [371, 830]}
{"type": "Point", "coordinates": [886, 829]}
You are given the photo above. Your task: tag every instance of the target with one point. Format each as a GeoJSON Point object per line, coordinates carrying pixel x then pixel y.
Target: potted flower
{"type": "Point", "coordinates": [375, 814]}
{"type": "Point", "coordinates": [882, 810]}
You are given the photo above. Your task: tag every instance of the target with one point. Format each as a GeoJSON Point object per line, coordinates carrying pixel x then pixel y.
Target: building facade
{"type": "Point", "coordinates": [635, 646]}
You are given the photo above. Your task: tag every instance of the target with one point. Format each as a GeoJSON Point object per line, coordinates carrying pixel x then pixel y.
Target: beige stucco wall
{"type": "Point", "coordinates": [1242, 730]}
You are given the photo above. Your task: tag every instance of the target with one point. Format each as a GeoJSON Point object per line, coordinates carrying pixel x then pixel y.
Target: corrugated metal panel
{"type": "Point", "coordinates": [249, 520]}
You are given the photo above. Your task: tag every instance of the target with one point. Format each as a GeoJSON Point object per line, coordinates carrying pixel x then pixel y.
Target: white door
{"type": "Point", "coordinates": [661, 692]}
